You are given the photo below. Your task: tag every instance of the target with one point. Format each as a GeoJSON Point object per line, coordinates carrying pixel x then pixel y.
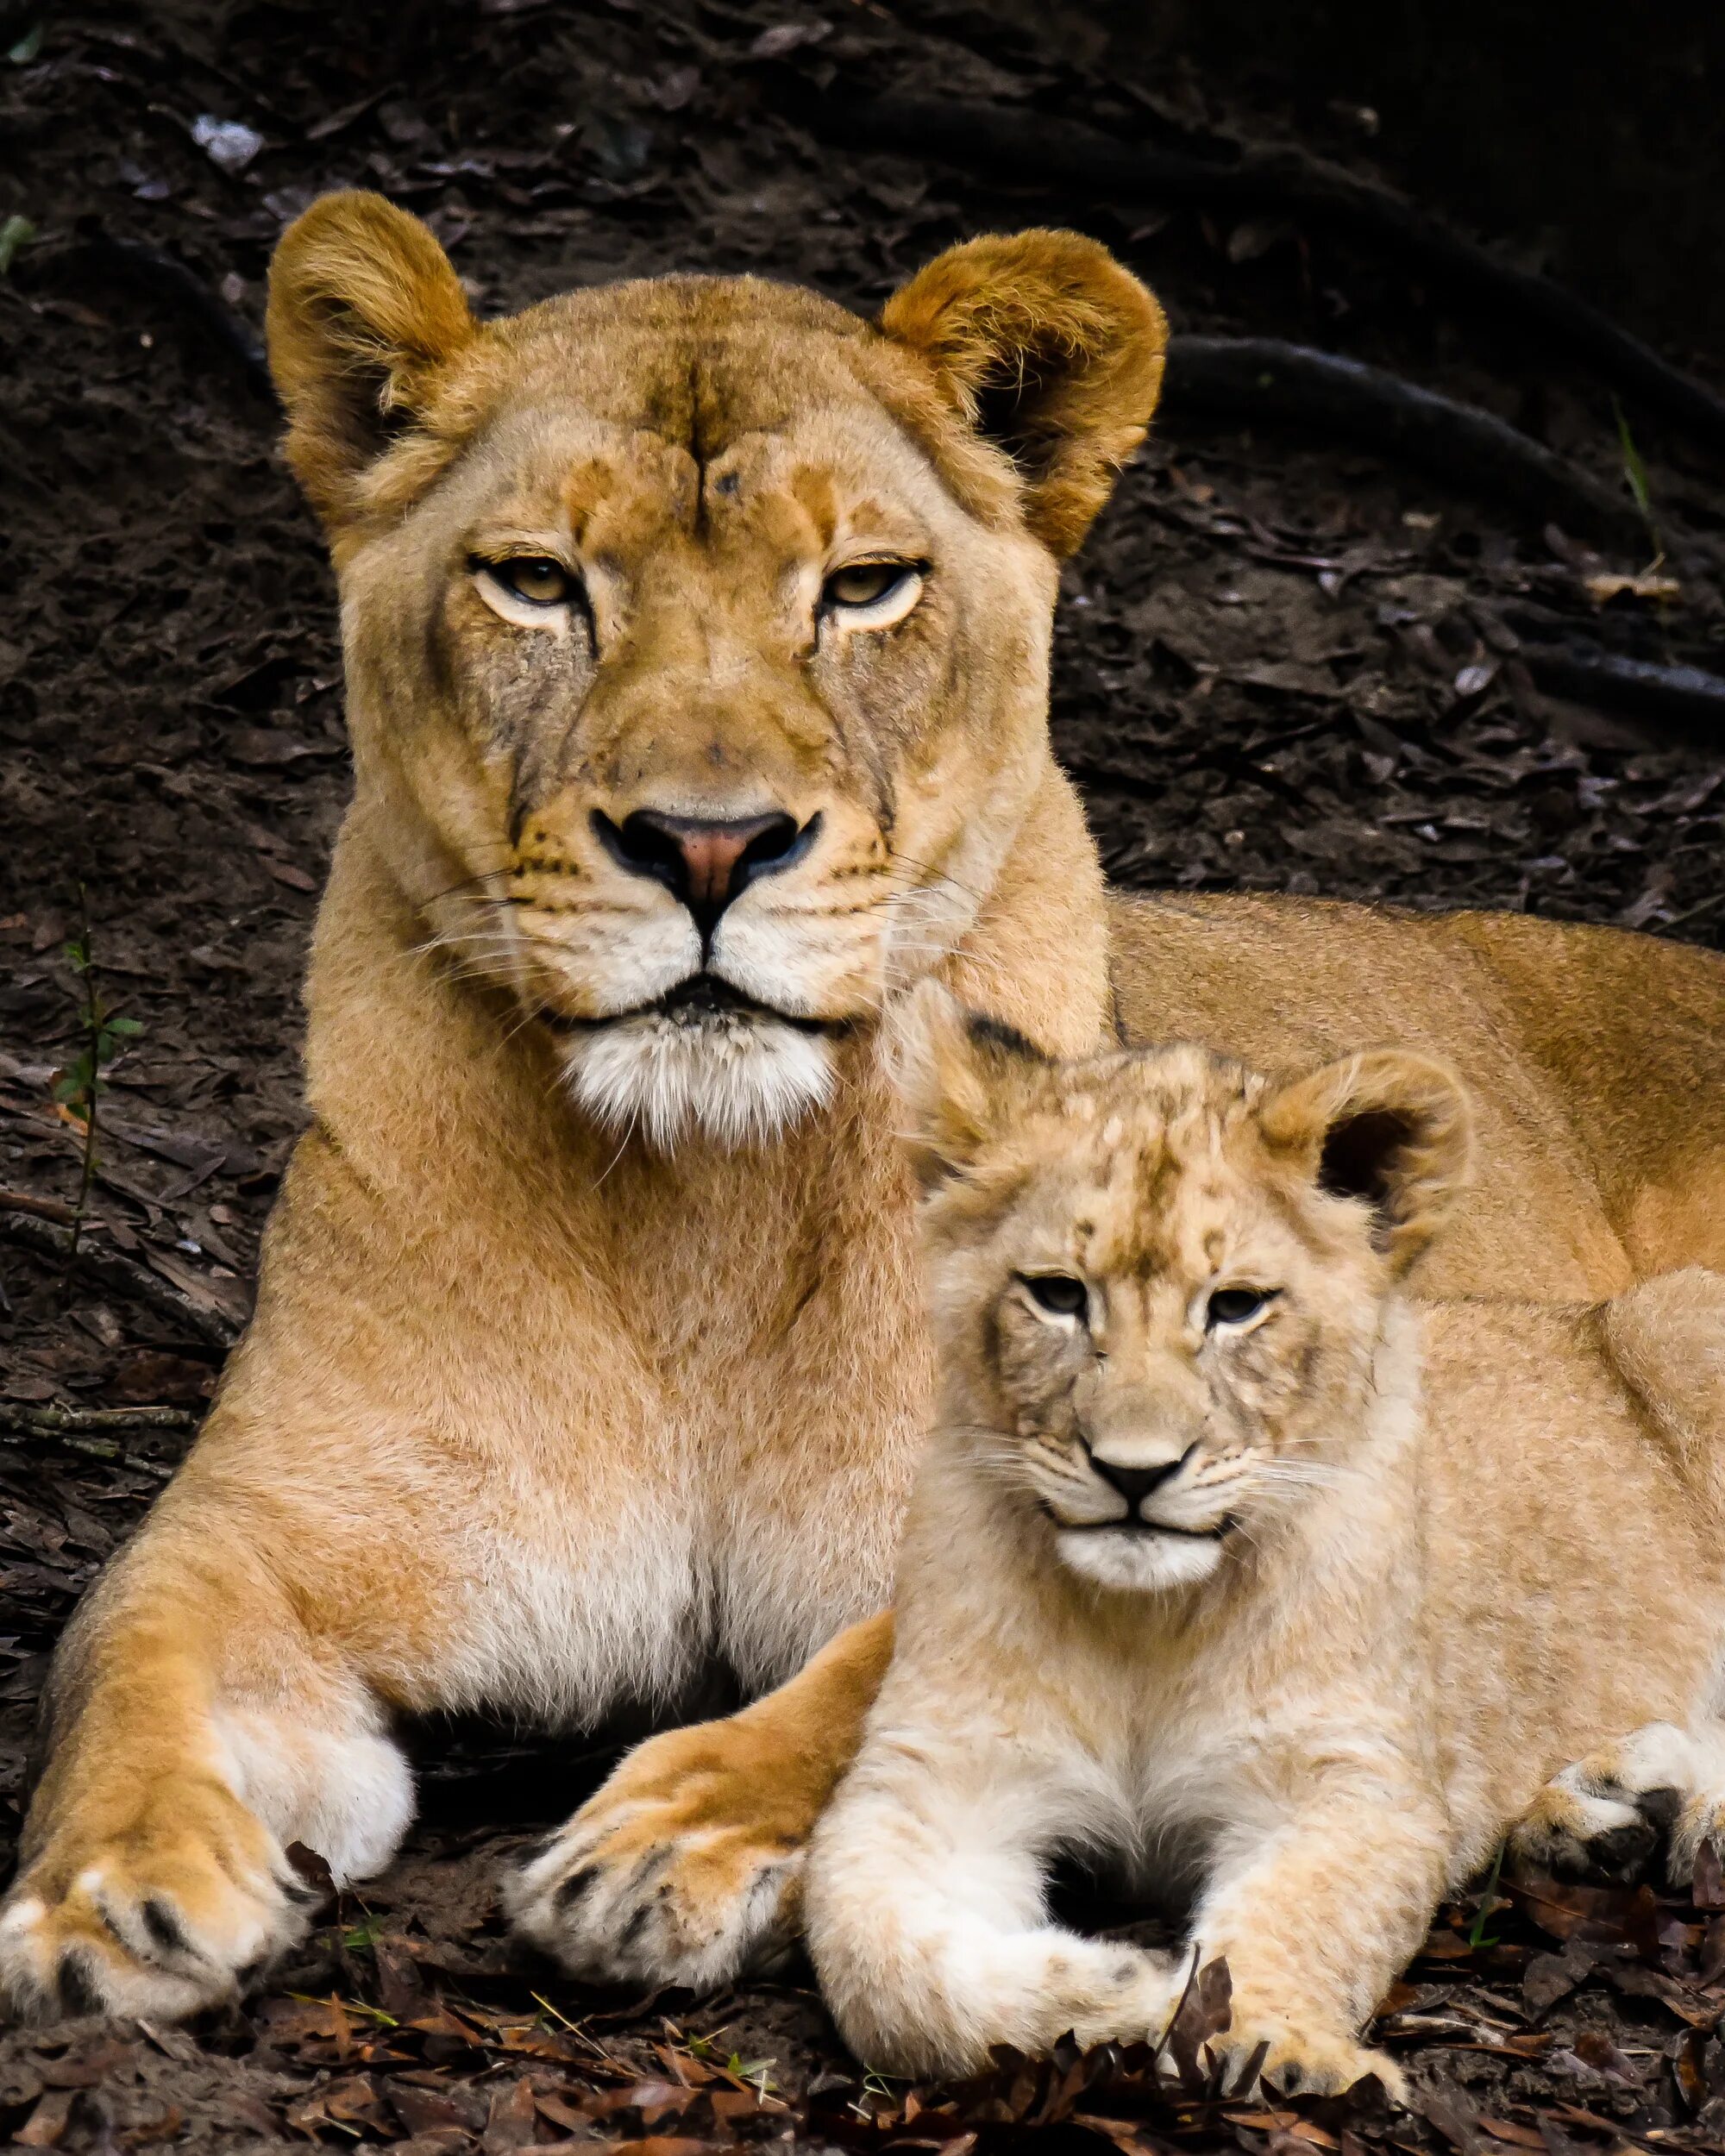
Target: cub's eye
{"type": "Point", "coordinates": [1234, 1306]}
{"type": "Point", "coordinates": [533, 577]}
{"type": "Point", "coordinates": [1058, 1292]}
{"type": "Point", "coordinates": [872, 594]}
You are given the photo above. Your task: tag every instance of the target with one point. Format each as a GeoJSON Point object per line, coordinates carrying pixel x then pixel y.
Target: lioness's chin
{"type": "Point", "coordinates": [740, 1079]}
{"type": "Point", "coordinates": [1138, 1560]}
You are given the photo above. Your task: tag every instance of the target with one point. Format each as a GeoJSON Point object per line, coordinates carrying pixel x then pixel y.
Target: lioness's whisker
{"type": "Point", "coordinates": [928, 868]}
{"type": "Point", "coordinates": [467, 883]}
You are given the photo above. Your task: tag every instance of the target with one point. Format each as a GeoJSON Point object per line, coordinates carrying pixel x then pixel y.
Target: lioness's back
{"type": "Point", "coordinates": [1582, 1046]}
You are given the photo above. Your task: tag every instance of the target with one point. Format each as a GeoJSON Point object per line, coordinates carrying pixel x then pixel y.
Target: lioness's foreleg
{"type": "Point", "coordinates": [197, 1733]}
{"type": "Point", "coordinates": [927, 1920]}
{"type": "Point", "coordinates": [685, 1867]}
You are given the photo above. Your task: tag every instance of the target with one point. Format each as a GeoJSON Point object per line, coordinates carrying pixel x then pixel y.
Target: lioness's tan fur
{"type": "Point", "coordinates": [534, 1414]}
{"type": "Point", "coordinates": [1363, 1596]}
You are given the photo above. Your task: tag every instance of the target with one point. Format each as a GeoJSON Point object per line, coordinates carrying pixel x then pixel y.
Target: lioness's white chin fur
{"type": "Point", "coordinates": [738, 1081]}
{"type": "Point", "coordinates": [1138, 1562]}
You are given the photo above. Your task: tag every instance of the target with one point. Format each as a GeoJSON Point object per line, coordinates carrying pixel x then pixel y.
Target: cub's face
{"type": "Point", "coordinates": [697, 639]}
{"type": "Point", "coordinates": [1158, 1282]}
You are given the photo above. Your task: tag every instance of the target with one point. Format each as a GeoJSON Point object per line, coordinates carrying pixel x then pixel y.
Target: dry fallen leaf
{"type": "Point", "coordinates": [1605, 585]}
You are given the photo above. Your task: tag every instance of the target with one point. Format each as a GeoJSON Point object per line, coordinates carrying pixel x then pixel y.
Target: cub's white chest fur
{"type": "Point", "coordinates": [1162, 1720]}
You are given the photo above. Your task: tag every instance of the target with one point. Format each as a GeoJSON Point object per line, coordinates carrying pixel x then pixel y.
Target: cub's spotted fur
{"type": "Point", "coordinates": [1228, 1566]}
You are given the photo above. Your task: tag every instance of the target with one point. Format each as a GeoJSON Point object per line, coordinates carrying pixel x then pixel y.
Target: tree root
{"type": "Point", "coordinates": [1263, 378]}
{"type": "Point", "coordinates": [1683, 698]}
{"type": "Point", "coordinates": [1288, 182]}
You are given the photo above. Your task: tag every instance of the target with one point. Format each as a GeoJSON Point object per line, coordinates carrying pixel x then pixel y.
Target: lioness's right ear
{"type": "Point", "coordinates": [364, 309]}
{"type": "Point", "coordinates": [948, 1067]}
{"type": "Point", "coordinates": [1052, 351]}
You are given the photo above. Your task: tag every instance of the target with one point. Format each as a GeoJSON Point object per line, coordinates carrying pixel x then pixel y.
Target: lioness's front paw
{"type": "Point", "coordinates": [180, 1908]}
{"type": "Point", "coordinates": [1606, 1816]}
{"type": "Point", "coordinates": [1300, 2059]}
{"type": "Point", "coordinates": [684, 1869]}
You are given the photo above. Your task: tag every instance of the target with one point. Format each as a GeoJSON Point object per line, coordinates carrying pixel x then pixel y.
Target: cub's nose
{"type": "Point", "coordinates": [1136, 1483]}
{"type": "Point", "coordinates": [706, 863]}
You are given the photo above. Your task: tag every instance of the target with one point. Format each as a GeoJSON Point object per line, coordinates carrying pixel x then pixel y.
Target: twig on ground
{"type": "Point", "coordinates": [54, 1209]}
{"type": "Point", "coordinates": [88, 1431]}
{"type": "Point", "coordinates": [94, 1422]}
{"type": "Point", "coordinates": [125, 1276]}
{"type": "Point", "coordinates": [1039, 146]}
{"type": "Point", "coordinates": [1266, 379]}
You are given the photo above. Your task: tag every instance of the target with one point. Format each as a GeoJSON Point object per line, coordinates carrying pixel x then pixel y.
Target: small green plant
{"type": "Point", "coordinates": [1635, 471]}
{"type": "Point", "coordinates": [81, 1084]}
{"type": "Point", "coordinates": [756, 2071]}
{"type": "Point", "coordinates": [1489, 1902]}
{"type": "Point", "coordinates": [15, 232]}
{"type": "Point", "coordinates": [877, 2088]}
{"type": "Point", "coordinates": [346, 2006]}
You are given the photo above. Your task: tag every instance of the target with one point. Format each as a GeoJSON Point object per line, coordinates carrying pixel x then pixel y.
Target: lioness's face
{"type": "Point", "coordinates": [733, 668]}
{"type": "Point", "coordinates": [697, 658]}
{"type": "Point", "coordinates": [1159, 1284]}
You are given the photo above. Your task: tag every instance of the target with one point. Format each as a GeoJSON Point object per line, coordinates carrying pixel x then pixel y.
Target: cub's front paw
{"type": "Point", "coordinates": [178, 1904]}
{"type": "Point", "coordinates": [686, 1868]}
{"type": "Point", "coordinates": [1300, 2059]}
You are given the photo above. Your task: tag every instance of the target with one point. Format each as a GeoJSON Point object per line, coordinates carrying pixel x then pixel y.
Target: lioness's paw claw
{"type": "Point", "coordinates": [635, 1895]}
{"type": "Point", "coordinates": [162, 1934]}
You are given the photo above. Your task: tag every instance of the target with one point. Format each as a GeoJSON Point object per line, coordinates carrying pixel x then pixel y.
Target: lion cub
{"type": "Point", "coordinates": [1228, 1565]}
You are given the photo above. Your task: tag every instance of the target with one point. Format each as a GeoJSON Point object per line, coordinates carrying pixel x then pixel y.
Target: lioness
{"type": "Point", "coordinates": [697, 636]}
{"type": "Point", "coordinates": [1224, 1564]}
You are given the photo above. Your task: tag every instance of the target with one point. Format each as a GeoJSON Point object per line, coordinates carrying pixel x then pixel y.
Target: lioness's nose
{"type": "Point", "coordinates": [706, 863]}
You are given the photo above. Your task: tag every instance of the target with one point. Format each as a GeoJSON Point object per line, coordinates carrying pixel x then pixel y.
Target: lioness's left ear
{"type": "Point", "coordinates": [953, 1072]}
{"type": "Point", "coordinates": [1391, 1128]}
{"type": "Point", "coordinates": [1052, 351]}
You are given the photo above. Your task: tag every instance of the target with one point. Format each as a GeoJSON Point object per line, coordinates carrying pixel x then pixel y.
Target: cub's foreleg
{"type": "Point", "coordinates": [927, 1924]}
{"type": "Point", "coordinates": [1316, 1915]}
{"type": "Point", "coordinates": [685, 1867]}
{"type": "Point", "coordinates": [197, 1733]}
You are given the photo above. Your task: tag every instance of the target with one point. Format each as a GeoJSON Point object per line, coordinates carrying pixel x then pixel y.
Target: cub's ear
{"type": "Point", "coordinates": [1050, 349]}
{"type": "Point", "coordinates": [953, 1072]}
{"type": "Point", "coordinates": [364, 309]}
{"type": "Point", "coordinates": [1393, 1130]}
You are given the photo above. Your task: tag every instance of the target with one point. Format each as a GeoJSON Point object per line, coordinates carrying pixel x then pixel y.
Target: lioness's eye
{"type": "Point", "coordinates": [872, 594]}
{"type": "Point", "coordinates": [533, 577]}
{"type": "Point", "coordinates": [1058, 1294]}
{"type": "Point", "coordinates": [1234, 1306]}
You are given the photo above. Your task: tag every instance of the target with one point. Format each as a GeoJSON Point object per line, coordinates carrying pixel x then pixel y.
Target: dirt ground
{"type": "Point", "coordinates": [1282, 664]}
